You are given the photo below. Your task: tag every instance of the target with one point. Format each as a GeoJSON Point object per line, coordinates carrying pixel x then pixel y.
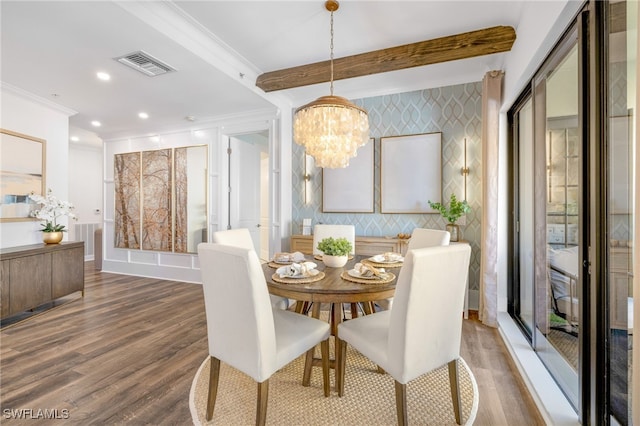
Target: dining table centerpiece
{"type": "Point", "coordinates": [451, 213]}
{"type": "Point", "coordinates": [335, 251]}
{"type": "Point", "coordinates": [51, 208]}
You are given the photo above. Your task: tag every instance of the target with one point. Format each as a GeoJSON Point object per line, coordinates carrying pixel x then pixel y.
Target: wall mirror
{"type": "Point", "coordinates": [22, 165]}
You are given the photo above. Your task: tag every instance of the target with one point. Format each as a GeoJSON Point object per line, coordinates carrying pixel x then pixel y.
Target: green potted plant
{"type": "Point", "coordinates": [335, 251]}
{"type": "Point", "coordinates": [452, 213]}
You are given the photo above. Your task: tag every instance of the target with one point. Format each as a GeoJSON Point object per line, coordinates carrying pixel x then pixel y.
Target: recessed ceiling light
{"type": "Point", "coordinates": [190, 118]}
{"type": "Point", "coordinates": [96, 123]}
{"type": "Point", "coordinates": [103, 76]}
{"type": "Point", "coordinates": [155, 138]}
{"type": "Point", "coordinates": [75, 138]}
{"type": "Point", "coordinates": [143, 115]}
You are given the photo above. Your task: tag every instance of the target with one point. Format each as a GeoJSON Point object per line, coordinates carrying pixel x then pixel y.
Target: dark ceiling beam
{"type": "Point", "coordinates": [450, 48]}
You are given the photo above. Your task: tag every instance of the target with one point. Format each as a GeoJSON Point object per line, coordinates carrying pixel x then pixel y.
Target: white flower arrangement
{"type": "Point", "coordinates": [52, 208]}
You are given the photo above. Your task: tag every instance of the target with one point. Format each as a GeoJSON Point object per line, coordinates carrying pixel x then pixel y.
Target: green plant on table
{"type": "Point", "coordinates": [454, 211]}
{"type": "Point", "coordinates": [335, 246]}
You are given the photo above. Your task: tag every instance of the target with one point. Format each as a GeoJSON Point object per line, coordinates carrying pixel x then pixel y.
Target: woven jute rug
{"type": "Point", "coordinates": [369, 397]}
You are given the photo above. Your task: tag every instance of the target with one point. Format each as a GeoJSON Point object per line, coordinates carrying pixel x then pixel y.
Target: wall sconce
{"type": "Point", "coordinates": [309, 164]}
{"type": "Point", "coordinates": [464, 171]}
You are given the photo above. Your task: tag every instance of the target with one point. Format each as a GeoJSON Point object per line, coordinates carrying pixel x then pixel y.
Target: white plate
{"type": "Point", "coordinates": [356, 274]}
{"type": "Point", "coordinates": [380, 259]}
{"type": "Point", "coordinates": [283, 262]}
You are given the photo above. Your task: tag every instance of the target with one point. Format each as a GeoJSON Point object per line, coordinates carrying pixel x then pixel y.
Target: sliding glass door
{"type": "Point", "coordinates": [549, 176]}
{"type": "Point", "coordinates": [524, 302]}
{"type": "Point", "coordinates": [558, 178]}
{"type": "Point", "coordinates": [621, 109]}
{"type": "Point", "coordinates": [573, 199]}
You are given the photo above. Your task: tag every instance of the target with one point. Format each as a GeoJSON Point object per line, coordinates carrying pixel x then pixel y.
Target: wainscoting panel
{"type": "Point", "coordinates": [84, 232]}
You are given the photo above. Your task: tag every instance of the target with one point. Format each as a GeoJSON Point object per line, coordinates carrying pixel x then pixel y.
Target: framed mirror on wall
{"type": "Point", "coordinates": [22, 171]}
{"type": "Point", "coordinates": [161, 199]}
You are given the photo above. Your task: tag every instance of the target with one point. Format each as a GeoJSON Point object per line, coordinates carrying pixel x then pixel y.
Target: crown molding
{"type": "Point", "coordinates": [35, 98]}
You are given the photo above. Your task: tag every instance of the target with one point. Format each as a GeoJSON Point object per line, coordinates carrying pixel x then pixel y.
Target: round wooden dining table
{"type": "Point", "coordinates": [334, 291]}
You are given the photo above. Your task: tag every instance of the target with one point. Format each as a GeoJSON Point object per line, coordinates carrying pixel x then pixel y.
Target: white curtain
{"type": "Point", "coordinates": [491, 102]}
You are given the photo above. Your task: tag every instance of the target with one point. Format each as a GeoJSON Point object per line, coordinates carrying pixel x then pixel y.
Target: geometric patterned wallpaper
{"type": "Point", "coordinates": [456, 111]}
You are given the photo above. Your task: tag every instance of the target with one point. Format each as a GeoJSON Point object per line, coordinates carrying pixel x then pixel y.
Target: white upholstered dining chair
{"type": "Point", "coordinates": [241, 237]}
{"type": "Point", "coordinates": [324, 230]}
{"type": "Point", "coordinates": [249, 334]}
{"type": "Point", "coordinates": [422, 330]}
{"type": "Point", "coordinates": [421, 238]}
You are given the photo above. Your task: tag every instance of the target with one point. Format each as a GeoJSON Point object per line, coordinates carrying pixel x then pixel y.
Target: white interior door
{"type": "Point", "coordinates": [245, 187]}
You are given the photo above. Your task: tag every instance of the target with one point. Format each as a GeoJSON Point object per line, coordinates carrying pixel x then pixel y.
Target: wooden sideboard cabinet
{"type": "Point", "coordinates": [366, 246]}
{"type": "Point", "coordinates": [36, 274]}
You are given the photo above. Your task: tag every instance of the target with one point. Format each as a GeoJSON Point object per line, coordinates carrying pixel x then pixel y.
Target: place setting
{"type": "Point", "coordinates": [280, 259]}
{"type": "Point", "coordinates": [386, 260]}
{"type": "Point", "coordinates": [366, 273]}
{"type": "Point", "coordinates": [298, 273]}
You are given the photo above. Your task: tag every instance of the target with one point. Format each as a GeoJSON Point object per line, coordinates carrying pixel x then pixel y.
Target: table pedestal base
{"type": "Point", "coordinates": [336, 313]}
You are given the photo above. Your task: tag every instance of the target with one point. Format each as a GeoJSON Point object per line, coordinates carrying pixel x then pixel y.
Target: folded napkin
{"type": "Point", "coordinates": [289, 257]}
{"type": "Point", "coordinates": [388, 257]}
{"type": "Point", "coordinates": [366, 270]}
{"type": "Point", "coordinates": [296, 270]}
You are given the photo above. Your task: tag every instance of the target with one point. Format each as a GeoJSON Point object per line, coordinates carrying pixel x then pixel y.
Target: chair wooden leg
{"type": "Point", "coordinates": [401, 403]}
{"type": "Point", "coordinates": [368, 308]}
{"type": "Point", "coordinates": [354, 310]}
{"type": "Point", "coordinates": [214, 374]}
{"type": "Point", "coordinates": [455, 390]}
{"type": "Point", "coordinates": [308, 362]}
{"type": "Point", "coordinates": [341, 346]}
{"type": "Point", "coordinates": [261, 409]}
{"type": "Point", "coordinates": [326, 382]}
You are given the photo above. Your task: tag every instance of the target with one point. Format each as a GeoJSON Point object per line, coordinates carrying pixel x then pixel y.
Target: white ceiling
{"type": "Point", "coordinates": [53, 49]}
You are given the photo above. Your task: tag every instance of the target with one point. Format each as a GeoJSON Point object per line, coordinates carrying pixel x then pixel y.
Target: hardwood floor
{"type": "Point", "coordinates": [128, 351]}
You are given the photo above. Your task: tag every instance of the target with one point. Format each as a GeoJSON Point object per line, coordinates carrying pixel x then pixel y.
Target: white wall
{"type": "Point", "coordinates": [27, 114]}
{"type": "Point", "coordinates": [85, 184]}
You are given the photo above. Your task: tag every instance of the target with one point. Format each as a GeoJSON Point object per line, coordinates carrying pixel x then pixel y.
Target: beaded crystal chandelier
{"type": "Point", "coordinates": [331, 128]}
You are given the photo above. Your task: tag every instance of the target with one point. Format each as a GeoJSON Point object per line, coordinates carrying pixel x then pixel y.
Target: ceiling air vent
{"type": "Point", "coordinates": [145, 63]}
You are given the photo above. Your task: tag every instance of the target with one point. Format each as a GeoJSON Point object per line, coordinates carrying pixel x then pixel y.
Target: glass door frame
{"type": "Point", "coordinates": [513, 267]}
{"type": "Point", "coordinates": [593, 48]}
{"type": "Point", "coordinates": [569, 381]}
{"type": "Point", "coordinates": [580, 32]}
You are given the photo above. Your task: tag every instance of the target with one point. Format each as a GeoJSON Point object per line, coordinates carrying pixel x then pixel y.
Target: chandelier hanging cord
{"type": "Point", "coordinates": [331, 128]}
{"type": "Point", "coordinates": [331, 6]}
